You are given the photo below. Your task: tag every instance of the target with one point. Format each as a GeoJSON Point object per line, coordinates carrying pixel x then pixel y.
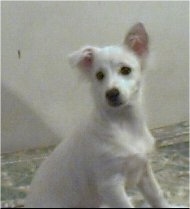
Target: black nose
{"type": "Point", "coordinates": [112, 94]}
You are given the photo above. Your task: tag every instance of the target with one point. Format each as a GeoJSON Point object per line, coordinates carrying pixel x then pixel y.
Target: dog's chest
{"type": "Point", "coordinates": [129, 151]}
{"type": "Point", "coordinates": [125, 152]}
{"type": "Point", "coordinates": [130, 142]}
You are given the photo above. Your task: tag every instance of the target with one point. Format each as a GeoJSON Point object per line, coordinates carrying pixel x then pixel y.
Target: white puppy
{"type": "Point", "coordinates": [109, 154]}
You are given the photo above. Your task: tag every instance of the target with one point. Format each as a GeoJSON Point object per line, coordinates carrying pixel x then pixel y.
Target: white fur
{"type": "Point", "coordinates": [109, 152]}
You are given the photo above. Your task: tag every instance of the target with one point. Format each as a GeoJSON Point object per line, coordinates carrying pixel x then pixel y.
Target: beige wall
{"type": "Point", "coordinates": [42, 99]}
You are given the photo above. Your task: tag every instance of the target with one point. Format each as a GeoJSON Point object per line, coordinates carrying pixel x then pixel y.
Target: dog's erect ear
{"type": "Point", "coordinates": [83, 58]}
{"type": "Point", "coordinates": [137, 40]}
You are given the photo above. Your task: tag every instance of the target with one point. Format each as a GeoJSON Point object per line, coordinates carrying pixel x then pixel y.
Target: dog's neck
{"type": "Point", "coordinates": [130, 116]}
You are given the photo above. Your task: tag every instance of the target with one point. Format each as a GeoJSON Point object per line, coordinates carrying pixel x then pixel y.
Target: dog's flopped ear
{"type": "Point", "coordinates": [137, 40]}
{"type": "Point", "coordinates": [83, 58]}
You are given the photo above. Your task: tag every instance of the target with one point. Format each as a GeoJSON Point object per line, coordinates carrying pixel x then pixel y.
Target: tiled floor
{"type": "Point", "coordinates": [170, 163]}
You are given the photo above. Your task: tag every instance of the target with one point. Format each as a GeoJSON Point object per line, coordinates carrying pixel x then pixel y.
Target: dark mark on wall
{"type": "Point", "coordinates": [19, 54]}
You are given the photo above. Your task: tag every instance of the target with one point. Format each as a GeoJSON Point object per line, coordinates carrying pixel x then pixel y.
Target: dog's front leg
{"type": "Point", "coordinates": [113, 194]}
{"type": "Point", "coordinates": [151, 189]}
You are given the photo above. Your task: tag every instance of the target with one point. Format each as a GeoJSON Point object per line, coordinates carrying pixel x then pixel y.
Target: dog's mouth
{"type": "Point", "coordinates": [116, 103]}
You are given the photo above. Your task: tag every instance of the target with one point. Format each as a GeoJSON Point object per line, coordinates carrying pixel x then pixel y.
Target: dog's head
{"type": "Point", "coordinates": [115, 71]}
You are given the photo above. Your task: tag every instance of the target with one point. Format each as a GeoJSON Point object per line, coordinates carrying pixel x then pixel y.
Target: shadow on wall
{"type": "Point", "coordinates": [22, 127]}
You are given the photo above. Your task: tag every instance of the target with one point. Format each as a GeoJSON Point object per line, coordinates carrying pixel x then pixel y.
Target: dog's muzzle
{"type": "Point", "coordinates": [113, 97]}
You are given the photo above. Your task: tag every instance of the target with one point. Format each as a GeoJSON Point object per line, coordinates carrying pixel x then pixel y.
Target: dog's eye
{"type": "Point", "coordinates": [100, 75]}
{"type": "Point", "coordinates": [125, 70]}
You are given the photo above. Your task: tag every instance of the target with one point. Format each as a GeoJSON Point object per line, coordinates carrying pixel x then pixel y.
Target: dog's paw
{"type": "Point", "coordinates": [178, 206]}
{"type": "Point", "coordinates": [145, 205]}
